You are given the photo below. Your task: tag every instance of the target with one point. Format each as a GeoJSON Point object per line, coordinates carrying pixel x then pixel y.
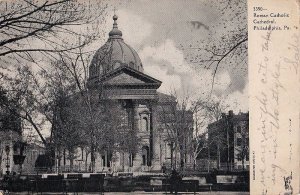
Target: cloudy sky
{"type": "Point", "coordinates": [168, 34]}
{"type": "Point", "coordinates": [161, 30]}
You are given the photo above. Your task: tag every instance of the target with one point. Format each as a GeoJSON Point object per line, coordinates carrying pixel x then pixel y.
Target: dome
{"type": "Point", "coordinates": [113, 54]}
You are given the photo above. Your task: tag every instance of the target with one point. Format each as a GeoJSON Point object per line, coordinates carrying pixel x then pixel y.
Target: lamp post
{"type": "Point", "coordinates": [7, 150]}
{"type": "Point", "coordinates": [19, 157]}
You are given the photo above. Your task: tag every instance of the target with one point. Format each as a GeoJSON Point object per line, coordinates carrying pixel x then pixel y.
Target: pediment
{"type": "Point", "coordinates": [128, 76]}
{"type": "Point", "coordinates": [124, 78]}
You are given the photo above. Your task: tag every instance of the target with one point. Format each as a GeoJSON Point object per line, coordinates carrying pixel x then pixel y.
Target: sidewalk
{"type": "Point", "coordinates": [181, 193]}
{"type": "Point", "coordinates": [139, 192]}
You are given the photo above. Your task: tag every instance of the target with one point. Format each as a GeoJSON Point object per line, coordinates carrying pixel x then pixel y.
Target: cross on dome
{"type": "Point", "coordinates": [115, 32]}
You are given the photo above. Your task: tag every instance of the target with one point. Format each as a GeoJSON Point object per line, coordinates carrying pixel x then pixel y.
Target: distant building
{"type": "Point", "coordinates": [33, 153]}
{"type": "Point", "coordinates": [229, 141]}
{"type": "Point", "coordinates": [117, 79]}
{"type": "Point", "coordinates": [10, 133]}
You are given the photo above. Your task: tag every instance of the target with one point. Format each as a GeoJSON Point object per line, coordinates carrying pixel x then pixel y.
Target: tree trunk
{"type": "Point", "coordinates": [228, 153]}
{"type": "Point", "coordinates": [92, 166]}
{"type": "Point", "coordinates": [71, 163]}
{"type": "Point", "coordinates": [208, 166]}
{"type": "Point", "coordinates": [59, 161]}
{"type": "Point", "coordinates": [86, 159]}
{"type": "Point", "coordinates": [92, 161]}
{"type": "Point", "coordinates": [123, 165]}
{"type": "Point", "coordinates": [175, 158]}
{"type": "Point", "coordinates": [172, 159]}
{"type": "Point", "coordinates": [64, 154]}
{"type": "Point", "coordinates": [219, 157]}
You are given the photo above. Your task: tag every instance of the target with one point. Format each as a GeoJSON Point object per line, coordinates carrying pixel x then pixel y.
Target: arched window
{"type": "Point", "coordinates": [100, 70]}
{"type": "Point", "coordinates": [131, 158]}
{"type": "Point", "coordinates": [144, 124]}
{"type": "Point", "coordinates": [169, 150]}
{"type": "Point", "coordinates": [145, 156]}
{"type": "Point", "coordinates": [106, 159]}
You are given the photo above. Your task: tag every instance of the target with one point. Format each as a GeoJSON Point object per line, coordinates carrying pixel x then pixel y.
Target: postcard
{"type": "Point", "coordinates": [147, 96]}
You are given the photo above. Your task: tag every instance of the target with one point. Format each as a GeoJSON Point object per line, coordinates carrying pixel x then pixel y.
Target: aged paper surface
{"type": "Point", "coordinates": [274, 96]}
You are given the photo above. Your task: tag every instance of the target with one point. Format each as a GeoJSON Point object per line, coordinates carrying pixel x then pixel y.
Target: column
{"type": "Point", "coordinates": [156, 161]}
{"type": "Point", "coordinates": [137, 162]}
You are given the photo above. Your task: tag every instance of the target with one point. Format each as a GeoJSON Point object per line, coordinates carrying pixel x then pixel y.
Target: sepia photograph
{"type": "Point", "coordinates": [124, 97]}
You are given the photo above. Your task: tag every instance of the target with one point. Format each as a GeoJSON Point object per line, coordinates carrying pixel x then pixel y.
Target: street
{"type": "Point", "coordinates": [142, 192]}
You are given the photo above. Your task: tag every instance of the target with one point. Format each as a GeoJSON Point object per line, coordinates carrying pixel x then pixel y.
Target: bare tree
{"type": "Point", "coordinates": [67, 130]}
{"type": "Point", "coordinates": [201, 119]}
{"type": "Point", "coordinates": [32, 102]}
{"type": "Point", "coordinates": [46, 27]}
{"type": "Point", "coordinates": [214, 110]}
{"type": "Point", "coordinates": [76, 67]}
{"type": "Point", "coordinates": [197, 146]}
{"type": "Point", "coordinates": [227, 42]}
{"type": "Point", "coordinates": [22, 100]}
{"type": "Point", "coordinates": [177, 124]}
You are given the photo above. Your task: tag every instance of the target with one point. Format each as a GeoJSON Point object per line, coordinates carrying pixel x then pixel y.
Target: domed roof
{"type": "Point", "coordinates": [113, 54]}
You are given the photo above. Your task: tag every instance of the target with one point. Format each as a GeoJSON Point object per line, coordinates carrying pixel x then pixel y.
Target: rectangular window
{"type": "Point", "coordinates": [239, 157]}
{"type": "Point", "coordinates": [238, 129]}
{"type": "Point", "coordinates": [247, 156]}
{"type": "Point", "coordinates": [239, 141]}
{"type": "Point", "coordinates": [144, 160]}
{"type": "Point", "coordinates": [103, 160]}
{"type": "Point", "coordinates": [131, 158]}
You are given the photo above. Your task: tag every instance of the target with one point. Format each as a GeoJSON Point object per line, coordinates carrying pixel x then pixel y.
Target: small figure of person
{"type": "Point", "coordinates": [7, 184]}
{"type": "Point", "coordinates": [175, 179]}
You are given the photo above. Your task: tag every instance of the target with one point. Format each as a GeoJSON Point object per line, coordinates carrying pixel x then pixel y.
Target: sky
{"type": "Point", "coordinates": [163, 33]}
{"type": "Point", "coordinates": [161, 30]}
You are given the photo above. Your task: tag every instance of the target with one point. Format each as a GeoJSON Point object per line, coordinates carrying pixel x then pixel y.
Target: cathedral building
{"type": "Point", "coordinates": [116, 75]}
